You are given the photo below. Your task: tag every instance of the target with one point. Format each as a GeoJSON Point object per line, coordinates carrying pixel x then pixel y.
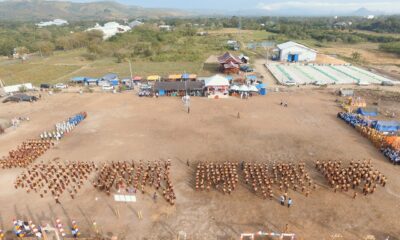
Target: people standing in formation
{"type": "Point", "coordinates": [64, 127]}
{"type": "Point", "coordinates": [357, 174]}
{"type": "Point", "coordinates": [55, 178]}
{"type": "Point", "coordinates": [25, 154]}
{"type": "Point", "coordinates": [223, 177]}
{"type": "Point", "coordinates": [285, 175]}
{"type": "Point", "coordinates": [127, 175]}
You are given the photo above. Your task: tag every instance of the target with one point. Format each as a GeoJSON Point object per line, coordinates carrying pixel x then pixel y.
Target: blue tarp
{"type": "Point", "coordinates": [229, 78]}
{"type": "Point", "coordinates": [78, 79]}
{"type": "Point", "coordinates": [161, 92]}
{"type": "Point", "coordinates": [263, 91]}
{"type": "Point", "coordinates": [386, 126]}
{"type": "Point", "coordinates": [373, 112]}
{"type": "Point", "coordinates": [185, 76]}
{"type": "Point", "coordinates": [260, 86]}
{"type": "Point", "coordinates": [114, 82]}
{"type": "Point", "coordinates": [251, 77]}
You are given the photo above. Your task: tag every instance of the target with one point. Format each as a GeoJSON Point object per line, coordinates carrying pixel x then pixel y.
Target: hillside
{"type": "Point", "coordinates": [107, 10]}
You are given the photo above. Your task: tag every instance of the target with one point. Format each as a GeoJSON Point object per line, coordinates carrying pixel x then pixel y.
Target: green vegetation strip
{"type": "Point", "coordinates": [345, 73]}
{"type": "Point", "coordinates": [364, 73]}
{"type": "Point", "coordinates": [283, 71]}
{"type": "Point", "coordinates": [304, 73]}
{"type": "Point", "coordinates": [326, 74]}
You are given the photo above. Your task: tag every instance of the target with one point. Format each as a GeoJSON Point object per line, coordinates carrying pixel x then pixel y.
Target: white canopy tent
{"type": "Point", "coordinates": [243, 88]}
{"type": "Point", "coordinates": [253, 88]}
{"type": "Point", "coordinates": [235, 88]}
{"type": "Point", "coordinates": [217, 80]}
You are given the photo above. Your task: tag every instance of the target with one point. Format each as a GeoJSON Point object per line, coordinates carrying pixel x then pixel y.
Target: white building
{"type": "Point", "coordinates": [165, 28]}
{"type": "Point", "coordinates": [294, 52]}
{"type": "Point", "coordinates": [110, 29]}
{"type": "Point", "coordinates": [135, 23]}
{"type": "Point", "coordinates": [55, 22]}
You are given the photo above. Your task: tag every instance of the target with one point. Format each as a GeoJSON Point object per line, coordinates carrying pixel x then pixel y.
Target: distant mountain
{"type": "Point", "coordinates": [107, 10]}
{"type": "Point", "coordinates": [363, 12]}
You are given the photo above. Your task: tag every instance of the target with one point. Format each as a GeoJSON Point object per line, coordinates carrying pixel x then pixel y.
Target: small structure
{"type": "Point", "coordinates": [135, 23]}
{"type": "Point", "coordinates": [217, 86]}
{"type": "Point", "coordinates": [111, 78]}
{"type": "Point", "coordinates": [154, 78]}
{"type": "Point", "coordinates": [166, 28]}
{"type": "Point", "coordinates": [110, 29]}
{"type": "Point", "coordinates": [229, 64]}
{"type": "Point", "coordinates": [346, 92]}
{"type": "Point", "coordinates": [294, 52]}
{"type": "Point", "coordinates": [55, 22]}
{"type": "Point", "coordinates": [18, 87]}
{"type": "Point", "coordinates": [233, 45]}
{"type": "Point", "coordinates": [193, 88]}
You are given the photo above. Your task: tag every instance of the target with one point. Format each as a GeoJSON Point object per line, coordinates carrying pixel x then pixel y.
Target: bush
{"type": "Point", "coordinates": [393, 47]}
{"type": "Point", "coordinates": [90, 56]}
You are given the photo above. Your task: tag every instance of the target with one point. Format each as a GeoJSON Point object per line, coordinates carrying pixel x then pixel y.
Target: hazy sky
{"type": "Point", "coordinates": [389, 6]}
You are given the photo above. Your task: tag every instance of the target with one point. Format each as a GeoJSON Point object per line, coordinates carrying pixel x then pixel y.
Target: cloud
{"type": "Point", "coordinates": [386, 6]}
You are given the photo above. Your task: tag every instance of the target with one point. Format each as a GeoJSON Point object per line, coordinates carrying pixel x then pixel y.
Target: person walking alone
{"type": "Point", "coordinates": [282, 200]}
{"type": "Point", "coordinates": [290, 202]}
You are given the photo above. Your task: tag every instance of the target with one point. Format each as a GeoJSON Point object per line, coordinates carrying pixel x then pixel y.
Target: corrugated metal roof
{"type": "Point", "coordinates": [173, 86]}
{"type": "Point", "coordinates": [292, 44]}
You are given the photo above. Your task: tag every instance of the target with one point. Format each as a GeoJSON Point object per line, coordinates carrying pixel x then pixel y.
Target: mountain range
{"type": "Point", "coordinates": [29, 10]}
{"type": "Point", "coordinates": [107, 10]}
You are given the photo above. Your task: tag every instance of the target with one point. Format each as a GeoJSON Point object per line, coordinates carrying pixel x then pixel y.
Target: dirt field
{"type": "Point", "coordinates": [125, 127]}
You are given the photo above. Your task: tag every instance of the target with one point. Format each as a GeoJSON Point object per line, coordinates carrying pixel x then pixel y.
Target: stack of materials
{"type": "Point", "coordinates": [64, 127]}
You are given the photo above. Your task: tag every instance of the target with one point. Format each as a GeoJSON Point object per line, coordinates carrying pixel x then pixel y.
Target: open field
{"type": "Point", "coordinates": [62, 66]}
{"type": "Point", "coordinates": [124, 127]}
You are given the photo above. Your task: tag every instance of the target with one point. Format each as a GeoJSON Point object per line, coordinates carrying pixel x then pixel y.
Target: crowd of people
{"type": "Point", "coordinates": [55, 178]}
{"type": "Point", "coordinates": [223, 177]}
{"type": "Point", "coordinates": [25, 154]}
{"type": "Point", "coordinates": [26, 229]}
{"type": "Point", "coordinates": [131, 177]}
{"type": "Point", "coordinates": [357, 174]}
{"type": "Point", "coordinates": [285, 175]}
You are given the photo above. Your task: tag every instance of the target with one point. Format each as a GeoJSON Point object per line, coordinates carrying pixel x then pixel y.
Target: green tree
{"type": "Point", "coordinates": [45, 48]}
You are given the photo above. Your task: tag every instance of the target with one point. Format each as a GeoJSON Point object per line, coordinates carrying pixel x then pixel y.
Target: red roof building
{"type": "Point", "coordinates": [229, 63]}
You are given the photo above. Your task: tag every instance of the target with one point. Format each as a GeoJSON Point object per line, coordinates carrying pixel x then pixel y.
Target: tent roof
{"type": "Point", "coordinates": [243, 88]}
{"type": "Point", "coordinates": [228, 57]}
{"type": "Point", "coordinates": [78, 79]}
{"type": "Point", "coordinates": [137, 78]}
{"type": "Point", "coordinates": [153, 78]}
{"type": "Point", "coordinates": [293, 44]}
{"type": "Point", "coordinates": [253, 88]}
{"type": "Point", "coordinates": [110, 76]}
{"type": "Point", "coordinates": [175, 76]}
{"type": "Point", "coordinates": [217, 80]}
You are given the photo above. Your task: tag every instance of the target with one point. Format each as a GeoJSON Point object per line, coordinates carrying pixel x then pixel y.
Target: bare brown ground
{"type": "Point", "coordinates": [326, 59]}
{"type": "Point", "coordinates": [125, 127]}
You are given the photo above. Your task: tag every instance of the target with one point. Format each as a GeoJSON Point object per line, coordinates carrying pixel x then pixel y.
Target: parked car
{"type": "Point", "coordinates": [45, 86]}
{"type": "Point", "coordinates": [246, 68]}
{"type": "Point", "coordinates": [20, 98]}
{"type": "Point", "coordinates": [60, 86]}
{"type": "Point", "coordinates": [107, 87]}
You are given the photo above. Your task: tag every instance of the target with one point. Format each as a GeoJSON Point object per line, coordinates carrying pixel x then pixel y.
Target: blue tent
{"type": "Point", "coordinates": [372, 112]}
{"type": "Point", "coordinates": [260, 86]}
{"type": "Point", "coordinates": [185, 76]}
{"type": "Point", "coordinates": [161, 92]}
{"type": "Point", "coordinates": [386, 126]}
{"type": "Point", "coordinates": [110, 77]}
{"type": "Point", "coordinates": [251, 77]}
